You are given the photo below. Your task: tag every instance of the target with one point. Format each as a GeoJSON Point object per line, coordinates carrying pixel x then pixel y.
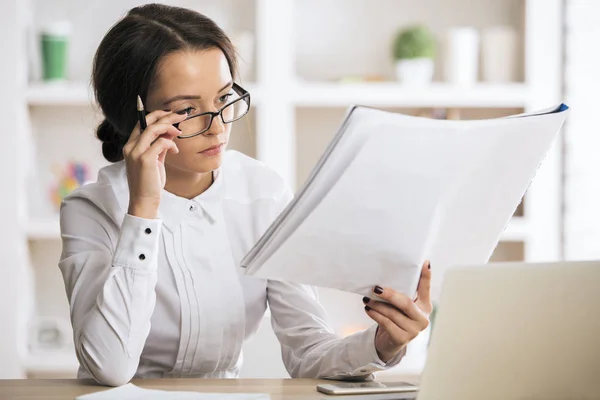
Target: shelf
{"type": "Point", "coordinates": [43, 229]}
{"type": "Point", "coordinates": [81, 94]}
{"type": "Point", "coordinates": [52, 363]}
{"type": "Point", "coordinates": [60, 94]}
{"type": "Point", "coordinates": [516, 231]}
{"type": "Point", "coordinates": [390, 94]}
{"type": "Point", "coordinates": [378, 94]}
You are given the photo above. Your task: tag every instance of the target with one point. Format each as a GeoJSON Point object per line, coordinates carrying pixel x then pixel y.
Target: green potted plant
{"type": "Point", "coordinates": [414, 51]}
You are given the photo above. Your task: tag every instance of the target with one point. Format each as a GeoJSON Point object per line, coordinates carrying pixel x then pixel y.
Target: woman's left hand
{"type": "Point", "coordinates": [402, 319]}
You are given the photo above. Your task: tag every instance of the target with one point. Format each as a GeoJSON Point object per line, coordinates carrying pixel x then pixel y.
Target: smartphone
{"type": "Point", "coordinates": [370, 387]}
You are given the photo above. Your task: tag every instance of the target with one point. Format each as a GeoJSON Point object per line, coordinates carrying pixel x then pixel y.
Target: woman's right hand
{"type": "Point", "coordinates": [144, 155]}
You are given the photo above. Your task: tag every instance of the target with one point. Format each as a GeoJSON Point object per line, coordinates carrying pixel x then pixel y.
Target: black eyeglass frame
{"type": "Point", "coordinates": [244, 96]}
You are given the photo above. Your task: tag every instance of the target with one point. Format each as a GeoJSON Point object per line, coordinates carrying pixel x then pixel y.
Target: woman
{"type": "Point", "coordinates": [151, 250]}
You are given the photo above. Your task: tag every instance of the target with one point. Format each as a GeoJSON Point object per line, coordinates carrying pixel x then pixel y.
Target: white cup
{"type": "Point", "coordinates": [461, 61]}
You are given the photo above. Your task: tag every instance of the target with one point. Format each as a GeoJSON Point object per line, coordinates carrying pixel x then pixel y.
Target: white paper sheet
{"type": "Point", "coordinates": [392, 191]}
{"type": "Point", "coordinates": [132, 392]}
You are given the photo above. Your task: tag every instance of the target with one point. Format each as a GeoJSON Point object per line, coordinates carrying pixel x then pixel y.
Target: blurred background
{"type": "Point", "coordinates": [304, 62]}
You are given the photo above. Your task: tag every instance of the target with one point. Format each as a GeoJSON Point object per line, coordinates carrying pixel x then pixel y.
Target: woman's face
{"type": "Point", "coordinates": [192, 82]}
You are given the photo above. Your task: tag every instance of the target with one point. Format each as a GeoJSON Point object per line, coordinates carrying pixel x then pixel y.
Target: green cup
{"type": "Point", "coordinates": [55, 43]}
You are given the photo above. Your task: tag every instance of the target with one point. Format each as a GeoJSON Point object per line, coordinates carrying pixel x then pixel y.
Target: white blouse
{"type": "Point", "coordinates": [167, 298]}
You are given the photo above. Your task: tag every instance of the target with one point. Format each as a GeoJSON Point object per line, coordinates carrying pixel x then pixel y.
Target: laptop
{"type": "Point", "coordinates": [516, 331]}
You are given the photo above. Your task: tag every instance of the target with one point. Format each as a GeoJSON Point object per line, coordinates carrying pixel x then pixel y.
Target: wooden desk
{"type": "Point", "coordinates": [63, 389]}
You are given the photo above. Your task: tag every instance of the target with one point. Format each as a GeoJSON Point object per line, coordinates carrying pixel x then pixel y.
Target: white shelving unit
{"type": "Point", "coordinates": [296, 99]}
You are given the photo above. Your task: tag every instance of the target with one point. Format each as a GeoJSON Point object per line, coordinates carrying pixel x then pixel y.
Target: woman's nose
{"type": "Point", "coordinates": [217, 127]}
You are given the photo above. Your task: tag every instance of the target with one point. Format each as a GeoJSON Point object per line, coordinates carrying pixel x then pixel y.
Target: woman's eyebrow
{"type": "Point", "coordinates": [230, 83]}
{"type": "Point", "coordinates": [181, 97]}
{"type": "Point", "coordinates": [193, 97]}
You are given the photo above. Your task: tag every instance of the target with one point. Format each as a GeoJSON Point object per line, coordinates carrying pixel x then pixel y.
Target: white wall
{"type": "Point", "coordinates": [13, 273]}
{"type": "Point", "coordinates": [582, 140]}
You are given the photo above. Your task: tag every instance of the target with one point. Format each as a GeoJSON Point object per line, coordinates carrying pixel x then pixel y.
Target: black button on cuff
{"type": "Point", "coordinates": [142, 257]}
{"type": "Point", "coordinates": [148, 231]}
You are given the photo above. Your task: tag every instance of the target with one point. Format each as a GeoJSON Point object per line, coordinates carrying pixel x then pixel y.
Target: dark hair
{"type": "Point", "coordinates": [128, 56]}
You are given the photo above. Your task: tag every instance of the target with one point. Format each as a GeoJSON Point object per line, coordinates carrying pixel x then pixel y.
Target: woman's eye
{"type": "Point", "coordinates": [186, 111]}
{"type": "Point", "coordinates": [225, 97]}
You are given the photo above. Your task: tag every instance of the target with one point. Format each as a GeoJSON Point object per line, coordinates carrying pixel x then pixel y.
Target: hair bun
{"type": "Point", "coordinates": [112, 141]}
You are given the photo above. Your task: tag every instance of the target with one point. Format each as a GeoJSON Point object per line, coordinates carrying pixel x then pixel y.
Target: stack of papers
{"type": "Point", "coordinates": [132, 392]}
{"type": "Point", "coordinates": [392, 191]}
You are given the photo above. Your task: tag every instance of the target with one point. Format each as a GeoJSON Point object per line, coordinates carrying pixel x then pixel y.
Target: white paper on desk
{"type": "Point", "coordinates": [392, 191]}
{"type": "Point", "coordinates": [132, 392]}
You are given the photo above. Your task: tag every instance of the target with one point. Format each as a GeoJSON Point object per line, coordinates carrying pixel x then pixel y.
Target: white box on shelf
{"type": "Point", "coordinates": [499, 51]}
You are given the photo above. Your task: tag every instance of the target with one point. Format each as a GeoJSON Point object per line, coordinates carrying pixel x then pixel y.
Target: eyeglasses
{"type": "Point", "coordinates": [197, 124]}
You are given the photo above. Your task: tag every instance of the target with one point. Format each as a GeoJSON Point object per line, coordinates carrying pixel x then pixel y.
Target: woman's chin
{"type": "Point", "coordinates": [210, 163]}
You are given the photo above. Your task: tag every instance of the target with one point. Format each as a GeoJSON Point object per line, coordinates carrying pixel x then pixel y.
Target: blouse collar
{"type": "Point", "coordinates": [207, 204]}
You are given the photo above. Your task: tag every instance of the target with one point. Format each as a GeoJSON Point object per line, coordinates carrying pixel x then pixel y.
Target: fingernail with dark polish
{"type": "Point", "coordinates": [367, 308]}
{"type": "Point", "coordinates": [429, 266]}
{"type": "Point", "coordinates": [366, 299]}
{"type": "Point", "coordinates": [378, 289]}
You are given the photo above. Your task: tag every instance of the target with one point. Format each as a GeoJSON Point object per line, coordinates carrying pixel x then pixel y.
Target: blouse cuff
{"type": "Point", "coordinates": [366, 353]}
{"type": "Point", "coordinates": [138, 243]}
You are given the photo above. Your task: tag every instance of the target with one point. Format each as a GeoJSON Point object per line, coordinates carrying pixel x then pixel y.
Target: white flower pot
{"type": "Point", "coordinates": [416, 71]}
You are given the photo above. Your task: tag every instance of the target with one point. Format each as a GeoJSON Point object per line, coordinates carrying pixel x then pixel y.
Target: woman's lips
{"type": "Point", "coordinates": [213, 151]}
